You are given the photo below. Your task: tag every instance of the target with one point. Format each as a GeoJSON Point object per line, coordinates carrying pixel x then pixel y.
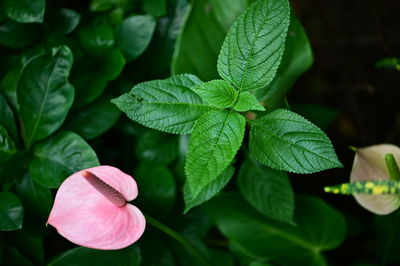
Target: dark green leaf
{"type": "Point", "coordinates": [30, 246]}
{"type": "Point", "coordinates": [104, 5]}
{"type": "Point", "coordinates": [208, 191]}
{"type": "Point", "coordinates": [218, 93]}
{"type": "Point", "coordinates": [253, 48]}
{"type": "Point", "coordinates": [11, 212]}
{"type": "Point", "coordinates": [202, 35]}
{"type": "Point", "coordinates": [168, 105]}
{"type": "Point", "coordinates": [16, 35]}
{"type": "Point", "coordinates": [267, 190]}
{"type": "Point", "coordinates": [14, 167]}
{"type": "Point", "coordinates": [97, 37]}
{"type": "Point", "coordinates": [14, 257]}
{"type": "Point", "coordinates": [129, 256]}
{"type": "Point", "coordinates": [7, 146]}
{"type": "Point", "coordinates": [7, 118]}
{"type": "Point", "coordinates": [156, 8]}
{"type": "Point", "coordinates": [157, 147]}
{"type": "Point", "coordinates": [61, 21]}
{"type": "Point", "coordinates": [157, 189]}
{"type": "Point", "coordinates": [320, 227]}
{"type": "Point", "coordinates": [286, 141]}
{"type": "Point", "coordinates": [134, 35]}
{"type": "Point", "coordinates": [247, 102]}
{"type": "Point", "coordinates": [216, 137]}
{"type": "Point", "coordinates": [60, 156]}
{"type": "Point", "coordinates": [297, 58]}
{"type": "Point", "coordinates": [35, 197]}
{"type": "Point", "coordinates": [25, 11]}
{"type": "Point", "coordinates": [94, 119]}
{"type": "Point", "coordinates": [44, 94]}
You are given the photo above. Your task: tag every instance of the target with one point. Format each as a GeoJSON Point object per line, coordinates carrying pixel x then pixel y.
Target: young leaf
{"type": "Point", "coordinates": [168, 105]}
{"type": "Point", "coordinates": [218, 93]}
{"type": "Point", "coordinates": [286, 141]}
{"type": "Point", "coordinates": [208, 191]}
{"type": "Point", "coordinates": [11, 212]}
{"type": "Point", "coordinates": [247, 102]}
{"type": "Point", "coordinates": [7, 146]}
{"type": "Point", "coordinates": [60, 156]}
{"type": "Point", "coordinates": [25, 11]}
{"type": "Point", "coordinates": [134, 35]}
{"type": "Point", "coordinates": [267, 190]}
{"type": "Point", "coordinates": [215, 139]}
{"type": "Point", "coordinates": [44, 94]}
{"type": "Point", "coordinates": [253, 48]}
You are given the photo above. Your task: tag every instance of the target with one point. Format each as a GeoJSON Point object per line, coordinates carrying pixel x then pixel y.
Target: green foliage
{"type": "Point", "coordinates": [218, 93]}
{"type": "Point", "coordinates": [7, 146]}
{"type": "Point", "coordinates": [11, 212]}
{"type": "Point", "coordinates": [60, 156]}
{"type": "Point", "coordinates": [216, 137]}
{"type": "Point", "coordinates": [44, 94]}
{"type": "Point", "coordinates": [25, 11]}
{"type": "Point", "coordinates": [267, 190]}
{"type": "Point", "coordinates": [295, 144]}
{"type": "Point", "coordinates": [247, 102]}
{"type": "Point", "coordinates": [253, 48]}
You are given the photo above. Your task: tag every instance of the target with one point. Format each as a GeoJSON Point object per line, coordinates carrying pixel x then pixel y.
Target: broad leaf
{"type": "Point", "coordinates": [319, 227]}
{"type": "Point", "coordinates": [16, 35]}
{"type": "Point", "coordinates": [134, 35]}
{"type": "Point", "coordinates": [267, 190]}
{"type": "Point", "coordinates": [158, 189]}
{"type": "Point", "coordinates": [44, 94]}
{"type": "Point", "coordinates": [168, 105]}
{"type": "Point", "coordinates": [35, 197]}
{"type": "Point", "coordinates": [208, 191]}
{"type": "Point", "coordinates": [94, 119]}
{"type": "Point", "coordinates": [7, 146]}
{"type": "Point", "coordinates": [60, 156]}
{"type": "Point", "coordinates": [80, 256]}
{"type": "Point", "coordinates": [157, 147]}
{"type": "Point", "coordinates": [247, 102]}
{"type": "Point", "coordinates": [11, 212]}
{"type": "Point", "coordinates": [30, 246]}
{"type": "Point", "coordinates": [286, 141]}
{"type": "Point", "coordinates": [25, 11]}
{"type": "Point", "coordinates": [97, 38]}
{"type": "Point", "coordinates": [253, 48]}
{"type": "Point", "coordinates": [61, 21]}
{"type": "Point", "coordinates": [203, 32]}
{"type": "Point", "coordinates": [218, 93]}
{"type": "Point", "coordinates": [7, 118]}
{"type": "Point", "coordinates": [297, 58]}
{"type": "Point", "coordinates": [215, 139]}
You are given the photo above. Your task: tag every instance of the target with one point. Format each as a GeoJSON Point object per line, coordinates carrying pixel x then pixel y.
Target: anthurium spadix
{"type": "Point", "coordinates": [91, 209]}
{"type": "Point", "coordinates": [374, 179]}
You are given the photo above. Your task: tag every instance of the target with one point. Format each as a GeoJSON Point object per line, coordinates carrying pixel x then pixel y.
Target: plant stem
{"type": "Point", "coordinates": [392, 167]}
{"type": "Point", "coordinates": [390, 242]}
{"type": "Point", "coordinates": [189, 246]}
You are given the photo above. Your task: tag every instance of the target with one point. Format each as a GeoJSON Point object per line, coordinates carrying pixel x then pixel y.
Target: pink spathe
{"type": "Point", "coordinates": [86, 212]}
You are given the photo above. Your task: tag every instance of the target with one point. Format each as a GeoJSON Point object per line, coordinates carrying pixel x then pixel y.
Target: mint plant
{"type": "Point", "coordinates": [215, 113]}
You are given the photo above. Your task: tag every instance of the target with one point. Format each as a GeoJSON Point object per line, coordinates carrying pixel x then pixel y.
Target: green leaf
{"type": "Point", "coordinates": [208, 191]}
{"type": "Point", "coordinates": [60, 156]}
{"type": "Point", "coordinates": [7, 146]}
{"type": "Point", "coordinates": [15, 167]}
{"type": "Point", "coordinates": [61, 21]}
{"type": "Point", "coordinates": [134, 35]}
{"type": "Point", "coordinates": [7, 118]}
{"type": "Point", "coordinates": [286, 141]}
{"type": "Point", "coordinates": [267, 190]}
{"type": "Point", "coordinates": [319, 227]}
{"type": "Point", "coordinates": [247, 102]}
{"type": "Point", "coordinates": [168, 105]}
{"type": "Point", "coordinates": [16, 35]}
{"type": "Point", "coordinates": [35, 197]}
{"type": "Point", "coordinates": [129, 256]}
{"type": "Point", "coordinates": [218, 93]}
{"type": "Point", "coordinates": [297, 58]}
{"type": "Point", "coordinates": [14, 257]}
{"type": "Point", "coordinates": [30, 246]}
{"type": "Point", "coordinates": [157, 189]}
{"type": "Point", "coordinates": [11, 212]}
{"type": "Point", "coordinates": [25, 11]}
{"type": "Point", "coordinates": [44, 94]}
{"type": "Point", "coordinates": [97, 37]}
{"type": "Point", "coordinates": [216, 137]}
{"type": "Point", "coordinates": [253, 48]}
{"type": "Point", "coordinates": [155, 8]}
{"type": "Point", "coordinates": [157, 147]}
{"type": "Point", "coordinates": [94, 119]}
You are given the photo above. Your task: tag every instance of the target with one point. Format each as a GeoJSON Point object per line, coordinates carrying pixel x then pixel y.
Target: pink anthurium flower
{"type": "Point", "coordinates": [91, 209]}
